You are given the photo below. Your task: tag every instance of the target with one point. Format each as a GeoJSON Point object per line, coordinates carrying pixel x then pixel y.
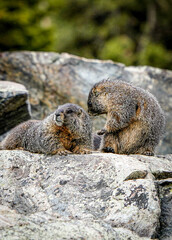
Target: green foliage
{"type": "Point", "coordinates": [24, 25]}
{"type": "Point", "coordinates": [119, 49]}
{"type": "Point", "coordinates": [155, 55]}
{"type": "Point", "coordinates": [111, 29]}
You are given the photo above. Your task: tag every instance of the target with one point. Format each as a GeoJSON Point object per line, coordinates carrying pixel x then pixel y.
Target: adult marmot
{"type": "Point", "coordinates": [67, 130]}
{"type": "Point", "coordinates": [135, 120]}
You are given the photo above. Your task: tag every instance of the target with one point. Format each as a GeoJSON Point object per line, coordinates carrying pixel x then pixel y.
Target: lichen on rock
{"type": "Point", "coordinates": [82, 196]}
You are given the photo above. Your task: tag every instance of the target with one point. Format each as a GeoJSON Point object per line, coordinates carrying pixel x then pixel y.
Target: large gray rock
{"type": "Point", "coordinates": [14, 105]}
{"type": "Point", "coordinates": [54, 79]}
{"type": "Point", "coordinates": [96, 196]}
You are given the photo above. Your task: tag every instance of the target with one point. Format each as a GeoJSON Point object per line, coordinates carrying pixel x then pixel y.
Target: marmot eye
{"type": "Point", "coordinates": [69, 111]}
{"type": "Point", "coordinates": [137, 107]}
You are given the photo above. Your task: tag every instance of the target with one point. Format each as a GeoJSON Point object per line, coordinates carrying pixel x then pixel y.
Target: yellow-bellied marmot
{"type": "Point", "coordinates": [67, 130]}
{"type": "Point", "coordinates": [135, 120]}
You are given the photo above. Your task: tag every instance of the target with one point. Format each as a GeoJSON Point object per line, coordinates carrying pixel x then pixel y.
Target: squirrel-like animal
{"type": "Point", "coordinates": [67, 130]}
{"type": "Point", "coordinates": [135, 120]}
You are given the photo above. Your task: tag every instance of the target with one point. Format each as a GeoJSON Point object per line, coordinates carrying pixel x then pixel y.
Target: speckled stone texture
{"type": "Point", "coordinates": [96, 196]}
{"type": "Point", "coordinates": [54, 79]}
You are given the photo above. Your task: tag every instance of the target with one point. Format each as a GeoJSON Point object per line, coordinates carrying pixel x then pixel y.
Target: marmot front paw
{"type": "Point", "coordinates": [101, 132]}
{"type": "Point", "coordinates": [108, 150]}
{"type": "Point", "coordinates": [82, 151]}
{"type": "Point", "coordinates": [62, 152]}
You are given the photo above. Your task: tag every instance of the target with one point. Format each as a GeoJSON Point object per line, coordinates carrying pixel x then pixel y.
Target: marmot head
{"type": "Point", "coordinates": [97, 99]}
{"type": "Point", "coordinates": [71, 116]}
{"type": "Point", "coordinates": [67, 112]}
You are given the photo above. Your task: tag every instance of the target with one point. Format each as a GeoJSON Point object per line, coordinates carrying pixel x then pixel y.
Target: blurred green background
{"type": "Point", "coordinates": [129, 31]}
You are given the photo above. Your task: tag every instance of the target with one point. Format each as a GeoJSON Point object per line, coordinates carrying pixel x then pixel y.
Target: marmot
{"type": "Point", "coordinates": [135, 120]}
{"type": "Point", "coordinates": [67, 130]}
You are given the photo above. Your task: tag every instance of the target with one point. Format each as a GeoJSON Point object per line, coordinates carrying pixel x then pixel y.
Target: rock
{"type": "Point", "coordinates": [8, 217]}
{"type": "Point", "coordinates": [165, 191]}
{"type": "Point", "coordinates": [14, 105]}
{"type": "Point", "coordinates": [54, 79]}
{"type": "Point", "coordinates": [96, 196]}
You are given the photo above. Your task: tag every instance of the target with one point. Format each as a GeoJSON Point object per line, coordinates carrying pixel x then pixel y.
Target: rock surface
{"type": "Point", "coordinates": [97, 196]}
{"type": "Point", "coordinates": [54, 79]}
{"type": "Point", "coordinates": [165, 192]}
{"type": "Point", "coordinates": [14, 105]}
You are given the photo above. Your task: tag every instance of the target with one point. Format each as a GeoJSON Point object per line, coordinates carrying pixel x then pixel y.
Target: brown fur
{"type": "Point", "coordinates": [135, 120]}
{"type": "Point", "coordinates": [66, 130]}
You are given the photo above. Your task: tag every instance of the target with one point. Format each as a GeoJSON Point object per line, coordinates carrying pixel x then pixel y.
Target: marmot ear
{"type": "Point", "coordinates": [80, 112]}
{"type": "Point", "coordinates": [95, 92]}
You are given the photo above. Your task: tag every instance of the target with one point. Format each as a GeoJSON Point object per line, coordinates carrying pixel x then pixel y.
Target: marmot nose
{"type": "Point", "coordinates": [57, 114]}
{"type": "Point", "coordinates": [89, 104]}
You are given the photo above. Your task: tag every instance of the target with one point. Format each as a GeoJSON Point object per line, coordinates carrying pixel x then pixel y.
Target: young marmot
{"type": "Point", "coordinates": [67, 130]}
{"type": "Point", "coordinates": [135, 120]}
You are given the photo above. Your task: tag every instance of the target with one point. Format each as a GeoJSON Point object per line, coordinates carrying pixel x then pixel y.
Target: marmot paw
{"type": "Point", "coordinates": [108, 149]}
{"type": "Point", "coordinates": [82, 151]}
{"type": "Point", "coordinates": [63, 152]}
{"type": "Point", "coordinates": [101, 132]}
{"type": "Point", "coordinates": [148, 153]}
